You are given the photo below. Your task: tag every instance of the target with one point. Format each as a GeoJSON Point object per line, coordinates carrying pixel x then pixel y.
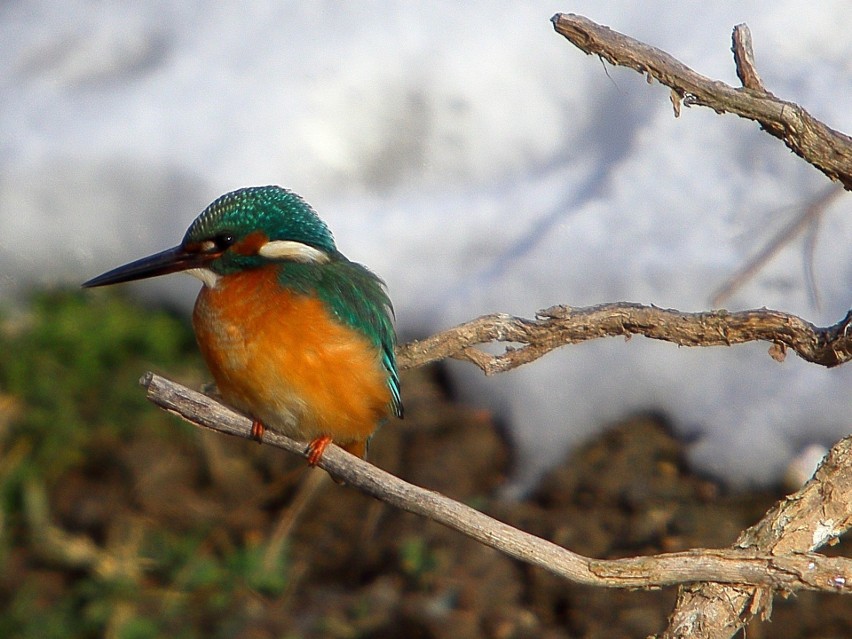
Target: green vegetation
{"type": "Point", "coordinates": [72, 364]}
{"type": "Point", "coordinates": [417, 561]}
{"type": "Point", "coordinates": [104, 527]}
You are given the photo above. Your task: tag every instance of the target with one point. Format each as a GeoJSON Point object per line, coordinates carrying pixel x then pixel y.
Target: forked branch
{"type": "Point", "coordinates": [828, 150]}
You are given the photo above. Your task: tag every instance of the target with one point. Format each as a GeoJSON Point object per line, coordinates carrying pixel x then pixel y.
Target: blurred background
{"type": "Point", "coordinates": [477, 162]}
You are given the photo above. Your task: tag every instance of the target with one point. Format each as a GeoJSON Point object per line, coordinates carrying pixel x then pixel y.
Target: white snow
{"type": "Point", "coordinates": [477, 161]}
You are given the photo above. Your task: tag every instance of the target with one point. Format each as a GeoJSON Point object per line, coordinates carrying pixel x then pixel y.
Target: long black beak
{"type": "Point", "coordinates": [168, 261]}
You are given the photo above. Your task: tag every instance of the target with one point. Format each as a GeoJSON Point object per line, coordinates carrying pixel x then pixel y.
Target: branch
{"type": "Point", "coordinates": [744, 565]}
{"type": "Point", "coordinates": [828, 150]}
{"type": "Point", "coordinates": [561, 325]}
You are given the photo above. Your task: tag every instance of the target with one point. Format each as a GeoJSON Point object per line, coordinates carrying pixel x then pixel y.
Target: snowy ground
{"type": "Point", "coordinates": [473, 158]}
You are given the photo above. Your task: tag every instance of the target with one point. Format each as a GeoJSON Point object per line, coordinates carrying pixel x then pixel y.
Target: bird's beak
{"type": "Point", "coordinates": [169, 261]}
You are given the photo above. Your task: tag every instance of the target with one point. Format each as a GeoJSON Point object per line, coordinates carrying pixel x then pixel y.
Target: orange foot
{"type": "Point", "coordinates": [257, 430]}
{"type": "Point", "coordinates": [316, 448]}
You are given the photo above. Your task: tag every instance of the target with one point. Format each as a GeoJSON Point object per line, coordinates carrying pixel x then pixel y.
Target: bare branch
{"type": "Point", "coordinates": [828, 150]}
{"type": "Point", "coordinates": [792, 572]}
{"type": "Point", "coordinates": [561, 325]}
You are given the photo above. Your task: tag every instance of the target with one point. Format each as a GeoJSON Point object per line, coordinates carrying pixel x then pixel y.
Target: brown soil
{"type": "Point", "coordinates": [358, 568]}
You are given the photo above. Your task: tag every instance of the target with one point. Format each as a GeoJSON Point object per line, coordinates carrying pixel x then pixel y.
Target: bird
{"type": "Point", "coordinates": [296, 336]}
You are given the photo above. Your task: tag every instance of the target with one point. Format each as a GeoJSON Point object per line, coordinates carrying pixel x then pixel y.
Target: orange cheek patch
{"type": "Point", "coordinates": [250, 244]}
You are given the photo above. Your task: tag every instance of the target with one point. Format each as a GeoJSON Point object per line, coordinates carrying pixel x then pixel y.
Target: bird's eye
{"type": "Point", "coordinates": [222, 241]}
{"type": "Point", "coordinates": [216, 244]}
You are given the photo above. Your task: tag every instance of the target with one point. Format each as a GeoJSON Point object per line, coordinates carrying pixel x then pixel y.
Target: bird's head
{"type": "Point", "coordinates": [244, 229]}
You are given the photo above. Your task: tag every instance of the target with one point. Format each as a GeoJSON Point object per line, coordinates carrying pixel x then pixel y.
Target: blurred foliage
{"type": "Point", "coordinates": [417, 561]}
{"type": "Point", "coordinates": [73, 363]}
{"type": "Point", "coordinates": [83, 551]}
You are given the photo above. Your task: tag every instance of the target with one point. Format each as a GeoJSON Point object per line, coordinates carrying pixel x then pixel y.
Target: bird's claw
{"type": "Point", "coordinates": [316, 448]}
{"type": "Point", "coordinates": [257, 431]}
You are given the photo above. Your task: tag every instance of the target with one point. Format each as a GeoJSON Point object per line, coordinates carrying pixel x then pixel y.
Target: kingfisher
{"type": "Point", "coordinates": [296, 336]}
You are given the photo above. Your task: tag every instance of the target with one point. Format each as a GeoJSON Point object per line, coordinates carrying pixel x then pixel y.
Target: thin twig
{"type": "Point", "coordinates": [789, 573]}
{"type": "Point", "coordinates": [306, 491]}
{"type": "Point", "coordinates": [811, 214]}
{"type": "Point", "coordinates": [828, 150]}
{"type": "Point", "coordinates": [808, 257]}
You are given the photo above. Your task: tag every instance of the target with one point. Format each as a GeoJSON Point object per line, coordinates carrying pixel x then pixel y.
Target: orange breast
{"type": "Point", "coordinates": [282, 359]}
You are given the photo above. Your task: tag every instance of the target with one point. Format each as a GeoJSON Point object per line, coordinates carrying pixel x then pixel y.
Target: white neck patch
{"type": "Point", "coordinates": [289, 250]}
{"type": "Point", "coordinates": [207, 276]}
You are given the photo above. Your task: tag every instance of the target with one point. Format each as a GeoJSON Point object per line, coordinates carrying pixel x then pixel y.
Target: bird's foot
{"type": "Point", "coordinates": [316, 448]}
{"type": "Point", "coordinates": [257, 431]}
